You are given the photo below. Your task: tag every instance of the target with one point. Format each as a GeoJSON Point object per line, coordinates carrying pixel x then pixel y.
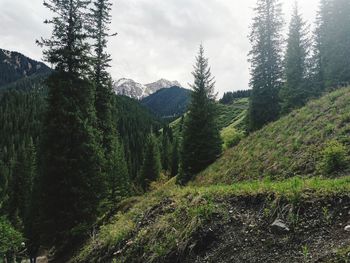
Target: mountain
{"type": "Point", "coordinates": [15, 66]}
{"type": "Point", "coordinates": [169, 102]}
{"type": "Point", "coordinates": [280, 195]}
{"type": "Point", "coordinates": [132, 89]}
{"type": "Point", "coordinates": [160, 84]}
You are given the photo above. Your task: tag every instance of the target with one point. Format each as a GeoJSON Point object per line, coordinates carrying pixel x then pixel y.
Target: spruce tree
{"type": "Point", "coordinates": [71, 181]}
{"type": "Point", "coordinates": [201, 143]}
{"type": "Point", "coordinates": [333, 30]}
{"type": "Point", "coordinates": [151, 166]}
{"type": "Point", "coordinates": [31, 218]}
{"type": "Point", "coordinates": [115, 169]}
{"type": "Point", "coordinates": [175, 159]}
{"type": "Point", "coordinates": [101, 18]}
{"type": "Point", "coordinates": [166, 140]}
{"type": "Point", "coordinates": [118, 178]}
{"type": "Point", "coordinates": [295, 91]}
{"type": "Point", "coordinates": [266, 63]}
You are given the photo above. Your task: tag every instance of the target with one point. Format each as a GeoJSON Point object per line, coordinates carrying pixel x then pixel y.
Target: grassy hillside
{"type": "Point", "coordinates": [230, 114]}
{"type": "Point", "coordinates": [231, 122]}
{"type": "Point", "coordinates": [219, 220]}
{"type": "Point", "coordinates": [204, 224]}
{"type": "Point", "coordinates": [311, 141]}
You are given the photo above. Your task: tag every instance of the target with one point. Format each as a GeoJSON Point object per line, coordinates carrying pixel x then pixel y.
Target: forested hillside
{"type": "Point", "coordinates": [311, 141]}
{"type": "Point", "coordinates": [15, 66]}
{"type": "Point", "coordinates": [168, 103]}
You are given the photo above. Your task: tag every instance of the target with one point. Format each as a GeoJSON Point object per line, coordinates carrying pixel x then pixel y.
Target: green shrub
{"type": "Point", "coordinates": [334, 158]}
{"type": "Point", "coordinates": [233, 140]}
{"type": "Point", "coordinates": [10, 239]}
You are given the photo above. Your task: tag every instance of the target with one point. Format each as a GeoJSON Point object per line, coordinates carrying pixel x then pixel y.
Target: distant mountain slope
{"type": "Point", "coordinates": [133, 89]}
{"type": "Point", "coordinates": [15, 66]}
{"type": "Point", "coordinates": [311, 141]}
{"type": "Point", "coordinates": [134, 123]}
{"type": "Point", "coordinates": [169, 102]}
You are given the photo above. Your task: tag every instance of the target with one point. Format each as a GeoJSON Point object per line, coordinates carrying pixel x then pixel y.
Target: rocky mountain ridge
{"type": "Point", "coordinates": [136, 90]}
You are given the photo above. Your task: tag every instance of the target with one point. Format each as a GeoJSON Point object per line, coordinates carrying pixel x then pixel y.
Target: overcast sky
{"type": "Point", "coordinates": [158, 38]}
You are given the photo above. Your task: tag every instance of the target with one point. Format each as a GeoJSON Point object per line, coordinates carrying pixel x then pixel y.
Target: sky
{"type": "Point", "coordinates": [159, 38]}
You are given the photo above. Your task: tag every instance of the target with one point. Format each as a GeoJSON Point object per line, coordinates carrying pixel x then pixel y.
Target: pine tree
{"type": "Point", "coordinates": [166, 138]}
{"type": "Point", "coordinates": [31, 219]}
{"type": "Point", "coordinates": [101, 18]}
{"type": "Point", "coordinates": [151, 163]}
{"type": "Point", "coordinates": [266, 63]}
{"type": "Point", "coordinates": [116, 169]}
{"type": "Point", "coordinates": [71, 181]}
{"type": "Point", "coordinates": [201, 144]}
{"type": "Point", "coordinates": [332, 42]}
{"type": "Point", "coordinates": [338, 56]}
{"type": "Point", "coordinates": [118, 178]}
{"type": "Point", "coordinates": [294, 92]}
{"type": "Point", "coordinates": [67, 49]}
{"type": "Point", "coordinates": [175, 160]}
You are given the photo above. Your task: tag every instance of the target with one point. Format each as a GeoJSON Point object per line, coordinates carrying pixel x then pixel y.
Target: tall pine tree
{"type": "Point", "coordinates": [175, 159]}
{"type": "Point", "coordinates": [151, 166]}
{"type": "Point", "coordinates": [71, 181]}
{"type": "Point", "coordinates": [101, 18]}
{"type": "Point", "coordinates": [201, 143]}
{"type": "Point", "coordinates": [118, 178]}
{"type": "Point", "coordinates": [295, 91]}
{"type": "Point", "coordinates": [114, 167]}
{"type": "Point", "coordinates": [332, 42]}
{"type": "Point", "coordinates": [266, 63]}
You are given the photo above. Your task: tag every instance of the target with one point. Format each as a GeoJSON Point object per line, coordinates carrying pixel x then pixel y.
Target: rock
{"type": "Point", "coordinates": [279, 227]}
{"type": "Point", "coordinates": [129, 243]}
{"type": "Point", "coordinates": [347, 228]}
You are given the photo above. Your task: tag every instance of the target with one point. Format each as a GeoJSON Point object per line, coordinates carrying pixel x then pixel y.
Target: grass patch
{"type": "Point", "coordinates": [164, 220]}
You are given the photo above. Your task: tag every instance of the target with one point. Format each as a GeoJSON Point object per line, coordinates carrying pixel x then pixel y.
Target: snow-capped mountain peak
{"type": "Point", "coordinates": [133, 89]}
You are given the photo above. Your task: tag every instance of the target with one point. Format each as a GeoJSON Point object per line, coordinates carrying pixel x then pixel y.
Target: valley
{"type": "Point", "coordinates": [246, 163]}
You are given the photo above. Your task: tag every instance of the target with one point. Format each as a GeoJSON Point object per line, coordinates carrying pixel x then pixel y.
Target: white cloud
{"type": "Point", "coordinates": [158, 38]}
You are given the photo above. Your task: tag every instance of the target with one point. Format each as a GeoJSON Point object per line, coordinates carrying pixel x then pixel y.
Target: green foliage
{"type": "Point", "coordinates": [201, 143]}
{"type": "Point", "coordinates": [175, 161]}
{"type": "Point", "coordinates": [306, 253]}
{"type": "Point", "coordinates": [295, 92]}
{"type": "Point", "coordinates": [232, 114]}
{"type": "Point", "coordinates": [291, 146]}
{"type": "Point", "coordinates": [332, 42]}
{"type": "Point", "coordinates": [134, 124]}
{"type": "Point", "coordinates": [71, 182]}
{"type": "Point", "coordinates": [230, 97]}
{"type": "Point", "coordinates": [151, 164]}
{"type": "Point", "coordinates": [334, 158]}
{"type": "Point", "coordinates": [67, 48]}
{"type": "Point", "coordinates": [164, 221]}
{"type": "Point", "coordinates": [17, 67]}
{"type": "Point", "coordinates": [168, 103]}
{"type": "Point", "coordinates": [266, 63]}
{"type": "Point", "coordinates": [10, 239]}
{"type": "Point", "coordinates": [166, 148]}
{"type": "Point", "coordinates": [119, 184]}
